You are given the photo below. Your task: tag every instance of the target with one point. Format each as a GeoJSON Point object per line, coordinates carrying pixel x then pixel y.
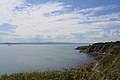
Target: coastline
{"type": "Point", "coordinates": [94, 65]}
{"type": "Point", "coordinates": [102, 67]}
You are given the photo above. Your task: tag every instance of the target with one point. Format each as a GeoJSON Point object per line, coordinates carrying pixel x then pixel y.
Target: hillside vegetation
{"type": "Point", "coordinates": [106, 66]}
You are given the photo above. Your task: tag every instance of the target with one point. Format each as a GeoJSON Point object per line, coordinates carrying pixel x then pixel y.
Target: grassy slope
{"type": "Point", "coordinates": [109, 67]}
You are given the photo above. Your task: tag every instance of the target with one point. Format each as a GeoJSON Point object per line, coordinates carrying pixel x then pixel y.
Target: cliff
{"type": "Point", "coordinates": [100, 48]}
{"type": "Point", "coordinates": [107, 60]}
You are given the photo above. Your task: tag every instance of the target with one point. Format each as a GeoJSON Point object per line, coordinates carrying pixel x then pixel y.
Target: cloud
{"type": "Point", "coordinates": [97, 9]}
{"type": "Point", "coordinates": [55, 21]}
{"type": "Point", "coordinates": [112, 35]}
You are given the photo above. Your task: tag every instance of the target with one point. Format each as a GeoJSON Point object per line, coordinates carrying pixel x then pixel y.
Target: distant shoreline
{"type": "Point", "coordinates": [46, 43]}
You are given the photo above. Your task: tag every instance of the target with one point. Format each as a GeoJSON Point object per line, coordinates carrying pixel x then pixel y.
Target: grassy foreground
{"type": "Point", "coordinates": [105, 67]}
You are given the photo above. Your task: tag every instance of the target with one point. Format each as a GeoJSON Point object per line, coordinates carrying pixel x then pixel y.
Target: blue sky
{"type": "Point", "coordinates": [59, 20]}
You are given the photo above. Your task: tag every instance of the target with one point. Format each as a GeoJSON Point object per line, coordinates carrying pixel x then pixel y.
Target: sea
{"type": "Point", "coordinates": [20, 58]}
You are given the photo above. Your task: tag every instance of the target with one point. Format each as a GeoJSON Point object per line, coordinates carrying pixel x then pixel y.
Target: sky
{"type": "Point", "coordinates": [77, 21]}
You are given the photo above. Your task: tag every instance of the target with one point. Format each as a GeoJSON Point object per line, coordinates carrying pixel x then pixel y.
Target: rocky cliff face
{"type": "Point", "coordinates": [98, 48]}
{"type": "Point", "coordinates": [107, 58]}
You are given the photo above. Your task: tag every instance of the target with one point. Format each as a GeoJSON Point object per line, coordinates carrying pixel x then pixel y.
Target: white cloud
{"type": "Point", "coordinates": [101, 8]}
{"type": "Point", "coordinates": [32, 23]}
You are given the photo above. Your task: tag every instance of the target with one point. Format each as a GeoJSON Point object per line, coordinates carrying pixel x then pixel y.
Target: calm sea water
{"type": "Point", "coordinates": [27, 58]}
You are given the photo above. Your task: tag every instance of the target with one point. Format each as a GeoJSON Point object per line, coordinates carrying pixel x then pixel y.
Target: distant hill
{"type": "Point", "coordinates": [42, 43]}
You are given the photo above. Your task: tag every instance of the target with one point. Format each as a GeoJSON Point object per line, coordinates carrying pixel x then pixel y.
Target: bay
{"type": "Point", "coordinates": [42, 57]}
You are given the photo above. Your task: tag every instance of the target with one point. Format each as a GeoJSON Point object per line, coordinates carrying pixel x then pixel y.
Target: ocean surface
{"type": "Point", "coordinates": [42, 57]}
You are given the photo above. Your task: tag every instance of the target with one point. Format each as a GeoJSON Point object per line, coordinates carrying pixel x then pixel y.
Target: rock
{"type": "Point", "coordinates": [91, 65]}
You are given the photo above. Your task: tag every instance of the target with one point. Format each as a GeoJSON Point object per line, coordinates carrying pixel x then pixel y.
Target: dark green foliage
{"type": "Point", "coordinates": [98, 47]}
{"type": "Point", "coordinates": [4, 77]}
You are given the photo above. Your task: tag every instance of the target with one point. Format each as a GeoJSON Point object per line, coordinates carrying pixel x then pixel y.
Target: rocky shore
{"type": "Point", "coordinates": [99, 50]}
